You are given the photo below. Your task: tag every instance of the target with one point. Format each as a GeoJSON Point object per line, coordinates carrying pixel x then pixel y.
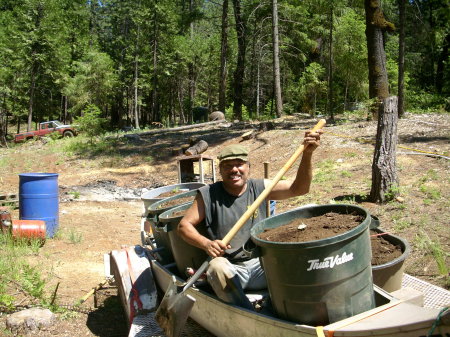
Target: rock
{"type": "Point", "coordinates": [248, 135]}
{"type": "Point", "coordinates": [216, 116]}
{"type": "Point", "coordinates": [30, 319]}
{"type": "Point", "coordinates": [400, 199]}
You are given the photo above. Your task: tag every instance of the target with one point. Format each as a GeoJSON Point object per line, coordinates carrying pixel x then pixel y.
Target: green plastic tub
{"type": "Point", "coordinates": [323, 281]}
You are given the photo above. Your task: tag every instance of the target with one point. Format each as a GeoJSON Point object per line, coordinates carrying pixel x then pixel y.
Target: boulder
{"type": "Point", "coordinates": [30, 319]}
{"type": "Point", "coordinates": [216, 116]}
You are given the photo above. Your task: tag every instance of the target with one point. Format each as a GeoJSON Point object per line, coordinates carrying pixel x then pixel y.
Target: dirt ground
{"type": "Point", "coordinates": [100, 206]}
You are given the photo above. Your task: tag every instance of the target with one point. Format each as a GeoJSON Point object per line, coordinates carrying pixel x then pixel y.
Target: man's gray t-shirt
{"type": "Point", "coordinates": [223, 210]}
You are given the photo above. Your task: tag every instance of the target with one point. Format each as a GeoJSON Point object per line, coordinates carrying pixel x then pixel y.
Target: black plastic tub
{"type": "Point", "coordinates": [389, 275]}
{"type": "Point", "coordinates": [159, 231]}
{"type": "Point", "coordinates": [185, 255]}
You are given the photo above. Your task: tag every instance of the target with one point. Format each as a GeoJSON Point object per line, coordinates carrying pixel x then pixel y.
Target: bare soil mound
{"type": "Point", "coordinates": [311, 229]}
{"type": "Point", "coordinates": [383, 251]}
{"type": "Point", "coordinates": [329, 225]}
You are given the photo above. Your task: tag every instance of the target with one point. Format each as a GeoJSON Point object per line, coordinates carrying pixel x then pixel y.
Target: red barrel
{"type": "Point", "coordinates": [28, 229]}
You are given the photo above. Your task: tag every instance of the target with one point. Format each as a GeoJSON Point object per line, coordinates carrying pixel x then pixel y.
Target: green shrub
{"type": "Point", "coordinates": [54, 135]}
{"type": "Point", "coordinates": [421, 101]}
{"type": "Point", "coordinates": [90, 123]}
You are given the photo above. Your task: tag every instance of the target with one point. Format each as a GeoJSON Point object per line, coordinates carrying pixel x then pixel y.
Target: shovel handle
{"type": "Point", "coordinates": [243, 219]}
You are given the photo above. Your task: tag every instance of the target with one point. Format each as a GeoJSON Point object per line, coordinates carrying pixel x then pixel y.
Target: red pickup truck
{"type": "Point", "coordinates": [46, 128]}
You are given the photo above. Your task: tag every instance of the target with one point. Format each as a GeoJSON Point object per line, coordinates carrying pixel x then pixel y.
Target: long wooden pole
{"type": "Point", "coordinates": [243, 219]}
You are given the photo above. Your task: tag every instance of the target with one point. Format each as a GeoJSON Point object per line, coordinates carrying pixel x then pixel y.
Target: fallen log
{"type": "Point", "coordinates": [181, 128]}
{"type": "Point", "coordinates": [200, 147]}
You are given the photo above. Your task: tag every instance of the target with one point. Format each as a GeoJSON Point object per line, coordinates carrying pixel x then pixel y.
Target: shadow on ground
{"type": "Point", "coordinates": [109, 319]}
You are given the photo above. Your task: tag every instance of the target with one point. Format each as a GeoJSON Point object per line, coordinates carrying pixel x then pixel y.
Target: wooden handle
{"type": "Point", "coordinates": [243, 219]}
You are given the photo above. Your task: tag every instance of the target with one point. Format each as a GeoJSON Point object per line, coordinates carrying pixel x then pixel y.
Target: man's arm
{"type": "Point", "coordinates": [186, 228]}
{"type": "Point", "coordinates": [300, 185]}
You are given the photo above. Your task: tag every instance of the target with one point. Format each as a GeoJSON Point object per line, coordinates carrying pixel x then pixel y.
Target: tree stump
{"type": "Point", "coordinates": [177, 151]}
{"type": "Point", "coordinates": [384, 171]}
{"type": "Point", "coordinates": [184, 147]}
{"type": "Point", "coordinates": [193, 140]}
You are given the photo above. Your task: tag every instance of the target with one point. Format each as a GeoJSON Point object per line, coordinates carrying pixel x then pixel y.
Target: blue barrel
{"type": "Point", "coordinates": [38, 199]}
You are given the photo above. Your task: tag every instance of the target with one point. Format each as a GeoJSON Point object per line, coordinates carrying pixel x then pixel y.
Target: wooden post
{"type": "Point", "coordinates": [266, 176]}
{"type": "Point", "coordinates": [179, 172]}
{"type": "Point", "coordinates": [200, 169]}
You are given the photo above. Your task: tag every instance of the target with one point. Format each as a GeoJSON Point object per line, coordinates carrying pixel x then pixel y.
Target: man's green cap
{"type": "Point", "coordinates": [234, 151]}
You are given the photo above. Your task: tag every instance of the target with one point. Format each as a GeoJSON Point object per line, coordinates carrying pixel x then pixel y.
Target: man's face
{"type": "Point", "coordinates": [234, 172]}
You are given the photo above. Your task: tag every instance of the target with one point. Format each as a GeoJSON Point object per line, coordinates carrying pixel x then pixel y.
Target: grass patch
{"type": "Point", "coordinates": [300, 201]}
{"type": "Point", "coordinates": [350, 154]}
{"type": "Point", "coordinates": [431, 192]}
{"type": "Point", "coordinates": [74, 236]}
{"type": "Point", "coordinates": [434, 248]}
{"type": "Point", "coordinates": [4, 162]}
{"type": "Point", "coordinates": [325, 171]}
{"type": "Point", "coordinates": [82, 146]}
{"type": "Point", "coordinates": [430, 175]}
{"type": "Point", "coordinates": [400, 221]}
{"type": "Point", "coordinates": [74, 194]}
{"type": "Point", "coordinates": [398, 205]}
{"type": "Point", "coordinates": [346, 174]}
{"type": "Point", "coordinates": [19, 278]}
{"type": "Point", "coordinates": [393, 191]}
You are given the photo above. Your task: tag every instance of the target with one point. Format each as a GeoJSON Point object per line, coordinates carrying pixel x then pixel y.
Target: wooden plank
{"type": "Point", "coordinates": [9, 196]}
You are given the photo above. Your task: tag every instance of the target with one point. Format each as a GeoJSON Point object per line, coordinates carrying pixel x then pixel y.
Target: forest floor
{"type": "Point", "coordinates": [100, 206]}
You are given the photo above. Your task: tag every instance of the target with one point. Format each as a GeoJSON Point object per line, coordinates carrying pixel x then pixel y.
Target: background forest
{"type": "Point", "coordinates": [145, 61]}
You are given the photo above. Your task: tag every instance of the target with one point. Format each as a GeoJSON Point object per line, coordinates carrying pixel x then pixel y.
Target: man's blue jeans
{"type": "Point", "coordinates": [229, 280]}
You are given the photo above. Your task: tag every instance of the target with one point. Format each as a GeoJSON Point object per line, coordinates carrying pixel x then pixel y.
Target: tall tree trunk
{"type": "Point", "coordinates": [136, 74]}
{"type": "Point", "coordinates": [375, 25]}
{"type": "Point", "coordinates": [276, 60]}
{"type": "Point", "coordinates": [258, 90]}
{"type": "Point", "coordinates": [330, 66]}
{"type": "Point", "coordinates": [240, 64]}
{"type": "Point", "coordinates": [92, 22]}
{"type": "Point", "coordinates": [31, 98]}
{"type": "Point", "coordinates": [3, 123]}
{"type": "Point", "coordinates": [64, 109]}
{"type": "Point", "coordinates": [191, 70]}
{"type": "Point", "coordinates": [432, 43]}
{"type": "Point", "coordinates": [34, 66]}
{"type": "Point", "coordinates": [384, 172]}
{"type": "Point", "coordinates": [223, 58]}
{"type": "Point", "coordinates": [441, 63]}
{"type": "Point", "coordinates": [180, 97]}
{"type": "Point", "coordinates": [401, 59]}
{"type": "Point", "coordinates": [154, 106]}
